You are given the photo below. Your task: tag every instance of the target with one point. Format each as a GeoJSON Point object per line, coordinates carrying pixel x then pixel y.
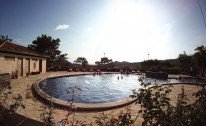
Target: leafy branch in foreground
{"type": "Point", "coordinates": [16, 104]}
{"type": "Point", "coordinates": [124, 118]}
{"type": "Point", "coordinates": [71, 111]}
{"type": "Point", "coordinates": [199, 108]}
{"type": "Point", "coordinates": [5, 96]}
{"type": "Point", "coordinates": [47, 114]}
{"type": "Point", "coordinates": [156, 107]}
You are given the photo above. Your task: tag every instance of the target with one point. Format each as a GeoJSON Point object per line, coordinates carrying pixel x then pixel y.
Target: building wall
{"type": "Point", "coordinates": [26, 66]}
{"type": "Point", "coordinates": [44, 66]}
{"type": "Point", "coordinates": [34, 65]}
{"type": "Point", "coordinates": [7, 66]}
{"type": "Point", "coordinates": [11, 65]}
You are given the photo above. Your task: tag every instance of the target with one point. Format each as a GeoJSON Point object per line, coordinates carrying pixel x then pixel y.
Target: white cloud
{"type": "Point", "coordinates": [62, 27]}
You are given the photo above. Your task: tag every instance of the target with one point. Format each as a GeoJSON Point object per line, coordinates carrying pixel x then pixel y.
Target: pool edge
{"type": "Point", "coordinates": [79, 106]}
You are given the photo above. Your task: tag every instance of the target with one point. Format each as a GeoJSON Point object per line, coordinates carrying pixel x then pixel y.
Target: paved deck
{"type": "Point", "coordinates": [23, 85]}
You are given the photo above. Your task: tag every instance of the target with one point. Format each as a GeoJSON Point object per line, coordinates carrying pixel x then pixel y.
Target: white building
{"type": "Point", "coordinates": [20, 59]}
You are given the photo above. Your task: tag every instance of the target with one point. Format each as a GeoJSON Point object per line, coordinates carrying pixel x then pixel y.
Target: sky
{"type": "Point", "coordinates": [125, 30]}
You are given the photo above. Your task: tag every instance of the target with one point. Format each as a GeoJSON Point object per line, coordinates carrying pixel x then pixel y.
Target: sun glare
{"type": "Point", "coordinates": [129, 20]}
{"type": "Point", "coordinates": [131, 26]}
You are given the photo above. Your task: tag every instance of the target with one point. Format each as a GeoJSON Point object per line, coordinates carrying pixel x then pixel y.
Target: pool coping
{"type": "Point", "coordinates": [89, 106]}
{"type": "Point", "coordinates": [79, 106]}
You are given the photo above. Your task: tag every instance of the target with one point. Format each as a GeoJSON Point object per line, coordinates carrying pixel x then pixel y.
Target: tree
{"type": "Point", "coordinates": [5, 38]}
{"type": "Point", "coordinates": [200, 57]}
{"type": "Point", "coordinates": [97, 63]}
{"type": "Point", "coordinates": [185, 62]}
{"type": "Point", "coordinates": [48, 46]}
{"type": "Point", "coordinates": [81, 60]}
{"type": "Point", "coordinates": [105, 62]}
{"type": "Point", "coordinates": [63, 63]}
{"type": "Point", "coordinates": [165, 63]}
{"type": "Point", "coordinates": [150, 65]}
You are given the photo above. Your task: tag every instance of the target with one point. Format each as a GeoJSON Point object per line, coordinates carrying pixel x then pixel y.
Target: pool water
{"type": "Point", "coordinates": [94, 89]}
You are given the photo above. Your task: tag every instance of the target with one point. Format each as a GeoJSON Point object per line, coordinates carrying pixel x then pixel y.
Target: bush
{"type": "Point", "coordinates": [156, 108]}
{"type": "Point", "coordinates": [5, 113]}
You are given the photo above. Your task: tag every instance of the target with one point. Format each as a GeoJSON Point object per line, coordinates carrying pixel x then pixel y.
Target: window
{"type": "Point", "coordinates": [9, 58]}
{"type": "Point", "coordinates": [34, 66]}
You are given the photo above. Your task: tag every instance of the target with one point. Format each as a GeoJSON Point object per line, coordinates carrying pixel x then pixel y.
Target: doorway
{"type": "Point", "coordinates": [40, 65]}
{"type": "Point", "coordinates": [20, 66]}
{"type": "Point", "coordinates": [27, 66]}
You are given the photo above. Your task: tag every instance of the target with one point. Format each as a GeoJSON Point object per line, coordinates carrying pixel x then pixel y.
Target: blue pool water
{"type": "Point", "coordinates": [94, 89]}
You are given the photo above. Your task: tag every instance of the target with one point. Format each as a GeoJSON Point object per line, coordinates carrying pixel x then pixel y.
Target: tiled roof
{"type": "Point", "coordinates": [18, 49]}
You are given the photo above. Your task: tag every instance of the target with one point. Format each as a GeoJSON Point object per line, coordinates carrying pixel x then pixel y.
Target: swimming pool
{"type": "Point", "coordinates": [94, 89]}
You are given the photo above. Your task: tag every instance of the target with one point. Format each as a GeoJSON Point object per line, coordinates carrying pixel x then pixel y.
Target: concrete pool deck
{"type": "Point", "coordinates": [23, 86]}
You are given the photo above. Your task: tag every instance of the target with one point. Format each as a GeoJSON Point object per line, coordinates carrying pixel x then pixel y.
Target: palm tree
{"type": "Point", "coordinates": [4, 39]}
{"type": "Point", "coordinates": [200, 57]}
